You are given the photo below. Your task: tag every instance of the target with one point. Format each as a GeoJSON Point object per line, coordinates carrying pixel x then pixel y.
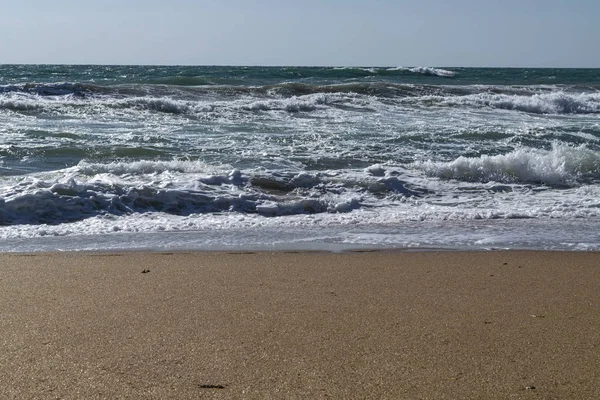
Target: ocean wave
{"type": "Point", "coordinates": [540, 99]}
{"type": "Point", "coordinates": [562, 165]}
{"type": "Point", "coordinates": [74, 201]}
{"type": "Point", "coordinates": [208, 83]}
{"type": "Point", "coordinates": [194, 81]}
{"type": "Point", "coordinates": [559, 102]}
{"type": "Point", "coordinates": [292, 104]}
{"type": "Point", "coordinates": [374, 180]}
{"type": "Point", "coordinates": [141, 167]}
{"type": "Point", "coordinates": [301, 97]}
{"type": "Point", "coordinates": [21, 102]}
{"type": "Point", "coordinates": [426, 71]}
{"type": "Point", "coordinates": [54, 89]}
{"type": "Point", "coordinates": [167, 105]}
{"type": "Point", "coordinates": [191, 187]}
{"type": "Point", "coordinates": [377, 71]}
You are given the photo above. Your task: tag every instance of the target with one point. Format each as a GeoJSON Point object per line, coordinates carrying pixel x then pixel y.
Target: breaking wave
{"type": "Point", "coordinates": [559, 102]}
{"type": "Point", "coordinates": [426, 71]}
{"type": "Point", "coordinates": [562, 165]}
{"type": "Point", "coordinates": [429, 71]}
{"type": "Point", "coordinates": [74, 200]}
{"type": "Point", "coordinates": [292, 97]}
{"type": "Point", "coordinates": [188, 187]}
{"type": "Point", "coordinates": [67, 105]}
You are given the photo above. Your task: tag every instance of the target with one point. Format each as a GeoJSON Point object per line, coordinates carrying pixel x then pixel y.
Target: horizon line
{"type": "Point", "coordinates": [294, 66]}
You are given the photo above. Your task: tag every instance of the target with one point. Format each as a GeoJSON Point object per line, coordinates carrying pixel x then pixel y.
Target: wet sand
{"type": "Point", "coordinates": [381, 325]}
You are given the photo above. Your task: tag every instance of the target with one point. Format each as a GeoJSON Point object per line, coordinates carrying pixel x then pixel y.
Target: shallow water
{"type": "Point", "coordinates": [126, 157]}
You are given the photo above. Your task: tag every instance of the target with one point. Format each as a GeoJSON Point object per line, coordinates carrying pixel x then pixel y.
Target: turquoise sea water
{"type": "Point", "coordinates": [123, 157]}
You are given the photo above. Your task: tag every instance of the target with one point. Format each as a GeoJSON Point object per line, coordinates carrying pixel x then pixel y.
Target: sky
{"type": "Point", "coordinates": [469, 33]}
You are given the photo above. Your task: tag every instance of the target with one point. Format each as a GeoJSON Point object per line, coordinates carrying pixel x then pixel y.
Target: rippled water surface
{"type": "Point", "coordinates": [202, 157]}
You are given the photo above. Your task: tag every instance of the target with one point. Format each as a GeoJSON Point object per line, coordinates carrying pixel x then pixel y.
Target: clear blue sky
{"type": "Point", "coordinates": [550, 33]}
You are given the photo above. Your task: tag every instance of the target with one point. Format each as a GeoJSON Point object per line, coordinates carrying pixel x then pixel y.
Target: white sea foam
{"type": "Point", "coordinates": [402, 220]}
{"type": "Point", "coordinates": [344, 153]}
{"type": "Point", "coordinates": [561, 165]}
{"type": "Point", "coordinates": [559, 102]}
{"type": "Point", "coordinates": [177, 188]}
{"type": "Point", "coordinates": [432, 71]}
{"type": "Point", "coordinates": [293, 104]}
{"type": "Point", "coordinates": [147, 167]}
{"type": "Point", "coordinates": [183, 195]}
{"type": "Point", "coordinates": [426, 71]}
{"type": "Point", "coordinates": [69, 105]}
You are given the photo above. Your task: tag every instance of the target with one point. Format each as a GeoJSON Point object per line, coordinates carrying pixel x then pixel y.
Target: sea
{"type": "Point", "coordinates": [104, 158]}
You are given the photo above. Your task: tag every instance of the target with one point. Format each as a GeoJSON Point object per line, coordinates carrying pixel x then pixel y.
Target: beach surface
{"type": "Point", "coordinates": [300, 325]}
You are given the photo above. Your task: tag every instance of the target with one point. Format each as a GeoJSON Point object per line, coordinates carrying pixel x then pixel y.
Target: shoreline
{"type": "Point", "coordinates": [298, 324]}
{"type": "Point", "coordinates": [288, 250]}
{"type": "Point", "coordinates": [482, 235]}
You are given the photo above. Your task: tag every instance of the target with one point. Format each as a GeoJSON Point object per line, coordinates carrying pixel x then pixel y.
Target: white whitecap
{"type": "Point", "coordinates": [561, 165]}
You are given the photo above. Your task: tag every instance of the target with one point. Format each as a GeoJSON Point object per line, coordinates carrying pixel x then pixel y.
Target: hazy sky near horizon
{"type": "Point", "coordinates": [544, 33]}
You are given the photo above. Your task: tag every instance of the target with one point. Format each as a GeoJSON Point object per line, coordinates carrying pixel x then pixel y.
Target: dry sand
{"type": "Point", "coordinates": [381, 325]}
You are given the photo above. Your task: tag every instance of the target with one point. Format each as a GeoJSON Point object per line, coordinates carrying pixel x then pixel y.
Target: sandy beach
{"type": "Point", "coordinates": [300, 325]}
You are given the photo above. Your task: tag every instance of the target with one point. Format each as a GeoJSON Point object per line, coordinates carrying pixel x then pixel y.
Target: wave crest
{"type": "Point", "coordinates": [562, 165]}
{"type": "Point", "coordinates": [72, 200]}
{"type": "Point", "coordinates": [54, 89]}
{"type": "Point", "coordinates": [559, 102]}
{"type": "Point", "coordinates": [444, 73]}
